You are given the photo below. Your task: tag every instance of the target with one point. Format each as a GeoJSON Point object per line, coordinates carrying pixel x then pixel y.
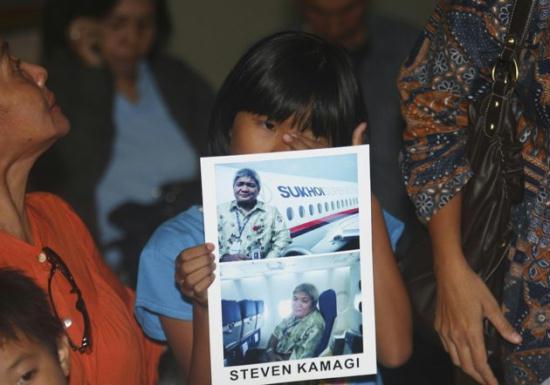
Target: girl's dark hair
{"type": "Point", "coordinates": [25, 310]}
{"type": "Point", "coordinates": [58, 14]}
{"type": "Point", "coordinates": [291, 74]}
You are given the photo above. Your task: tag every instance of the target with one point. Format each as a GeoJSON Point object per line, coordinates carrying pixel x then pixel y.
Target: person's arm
{"type": "Point", "coordinates": [189, 339]}
{"type": "Point", "coordinates": [308, 345]}
{"type": "Point", "coordinates": [234, 257]}
{"type": "Point", "coordinates": [281, 236]}
{"type": "Point", "coordinates": [391, 301]}
{"type": "Point", "coordinates": [463, 299]}
{"type": "Point", "coordinates": [435, 85]}
{"type": "Point", "coordinates": [271, 349]}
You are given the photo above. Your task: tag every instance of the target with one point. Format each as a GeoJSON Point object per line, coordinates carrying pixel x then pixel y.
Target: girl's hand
{"type": "Point", "coordinates": [195, 272]}
{"type": "Point", "coordinates": [358, 134]}
{"type": "Point", "coordinates": [299, 141]}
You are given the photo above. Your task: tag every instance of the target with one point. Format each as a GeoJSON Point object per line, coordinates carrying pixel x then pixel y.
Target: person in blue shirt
{"type": "Point", "coordinates": [290, 91]}
{"type": "Point", "coordinates": [136, 132]}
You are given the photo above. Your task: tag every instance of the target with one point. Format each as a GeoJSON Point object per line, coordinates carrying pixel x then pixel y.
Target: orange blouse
{"type": "Point", "coordinates": [120, 353]}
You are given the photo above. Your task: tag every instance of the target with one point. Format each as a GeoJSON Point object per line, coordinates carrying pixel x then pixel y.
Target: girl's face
{"type": "Point", "coordinates": [253, 133]}
{"type": "Point", "coordinates": [302, 304]}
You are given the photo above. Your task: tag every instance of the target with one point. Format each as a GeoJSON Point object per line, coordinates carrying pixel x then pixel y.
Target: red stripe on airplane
{"type": "Point", "coordinates": [316, 223]}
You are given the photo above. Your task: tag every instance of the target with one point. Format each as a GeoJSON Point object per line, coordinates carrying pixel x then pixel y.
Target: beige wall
{"type": "Point", "coordinates": [212, 34]}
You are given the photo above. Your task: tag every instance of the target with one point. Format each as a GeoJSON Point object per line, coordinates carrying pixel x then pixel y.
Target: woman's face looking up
{"type": "Point", "coordinates": [29, 114]}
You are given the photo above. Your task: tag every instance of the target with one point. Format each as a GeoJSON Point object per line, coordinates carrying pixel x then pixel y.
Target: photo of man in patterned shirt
{"type": "Point", "coordinates": [248, 228]}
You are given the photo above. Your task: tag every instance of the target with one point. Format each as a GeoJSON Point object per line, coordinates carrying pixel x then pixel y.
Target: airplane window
{"type": "Point", "coordinates": [319, 208]}
{"type": "Point", "coordinates": [337, 204]}
{"type": "Point", "coordinates": [302, 211]}
{"type": "Point", "coordinates": [311, 210]}
{"type": "Point", "coordinates": [326, 206]}
{"type": "Point", "coordinates": [289, 213]}
{"type": "Point", "coordinates": [332, 205]}
{"type": "Point", "coordinates": [284, 308]}
{"type": "Point", "coordinates": [357, 302]}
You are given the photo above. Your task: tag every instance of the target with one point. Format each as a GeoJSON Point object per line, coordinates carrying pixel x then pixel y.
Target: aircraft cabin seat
{"type": "Point", "coordinates": [327, 308]}
{"type": "Point", "coordinates": [249, 316]}
{"type": "Point", "coordinates": [260, 311]}
{"type": "Point", "coordinates": [232, 324]}
{"type": "Point", "coordinates": [257, 334]}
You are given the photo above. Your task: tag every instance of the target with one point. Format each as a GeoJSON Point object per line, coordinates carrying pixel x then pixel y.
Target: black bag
{"type": "Point", "coordinates": [495, 158]}
{"type": "Point", "coordinates": [138, 221]}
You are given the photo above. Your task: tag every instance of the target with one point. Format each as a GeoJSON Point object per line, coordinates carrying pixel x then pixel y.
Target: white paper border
{"type": "Point", "coordinates": [221, 375]}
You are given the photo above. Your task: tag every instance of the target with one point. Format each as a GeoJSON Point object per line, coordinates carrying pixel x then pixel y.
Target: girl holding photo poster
{"type": "Point", "coordinates": [290, 91]}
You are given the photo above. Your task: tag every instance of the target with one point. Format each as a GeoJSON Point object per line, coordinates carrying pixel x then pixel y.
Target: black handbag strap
{"type": "Point", "coordinates": [505, 72]}
{"type": "Point", "coordinates": [519, 25]}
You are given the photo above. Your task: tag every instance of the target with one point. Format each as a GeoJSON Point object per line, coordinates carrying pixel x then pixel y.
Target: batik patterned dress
{"type": "Point", "coordinates": [258, 233]}
{"type": "Point", "coordinates": [451, 66]}
{"type": "Point", "coordinates": [297, 338]}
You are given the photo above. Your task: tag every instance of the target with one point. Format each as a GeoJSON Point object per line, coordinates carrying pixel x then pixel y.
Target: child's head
{"type": "Point", "coordinates": [33, 347]}
{"type": "Point", "coordinates": [287, 81]}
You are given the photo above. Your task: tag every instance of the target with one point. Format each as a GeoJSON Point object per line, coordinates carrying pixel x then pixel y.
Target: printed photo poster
{"type": "Point", "coordinates": [293, 294]}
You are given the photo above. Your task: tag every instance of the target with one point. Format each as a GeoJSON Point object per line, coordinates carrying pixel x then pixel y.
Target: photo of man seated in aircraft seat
{"type": "Point", "coordinates": [298, 335]}
{"type": "Point", "coordinates": [247, 227]}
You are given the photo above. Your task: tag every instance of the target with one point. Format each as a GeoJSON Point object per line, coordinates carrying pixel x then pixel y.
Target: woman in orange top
{"type": "Point", "coordinates": [41, 236]}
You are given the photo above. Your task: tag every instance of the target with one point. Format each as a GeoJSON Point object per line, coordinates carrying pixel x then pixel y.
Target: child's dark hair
{"type": "Point", "coordinates": [25, 311]}
{"type": "Point", "coordinates": [291, 74]}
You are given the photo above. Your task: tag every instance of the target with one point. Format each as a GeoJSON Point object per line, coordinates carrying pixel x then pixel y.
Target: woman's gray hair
{"type": "Point", "coordinates": [310, 290]}
{"type": "Point", "coordinates": [248, 172]}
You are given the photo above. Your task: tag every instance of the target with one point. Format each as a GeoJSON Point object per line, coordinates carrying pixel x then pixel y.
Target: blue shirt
{"type": "Point", "coordinates": [149, 150]}
{"type": "Point", "coordinates": [157, 292]}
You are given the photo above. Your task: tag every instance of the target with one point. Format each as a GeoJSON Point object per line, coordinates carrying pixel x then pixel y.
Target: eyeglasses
{"type": "Point", "coordinates": [58, 265]}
